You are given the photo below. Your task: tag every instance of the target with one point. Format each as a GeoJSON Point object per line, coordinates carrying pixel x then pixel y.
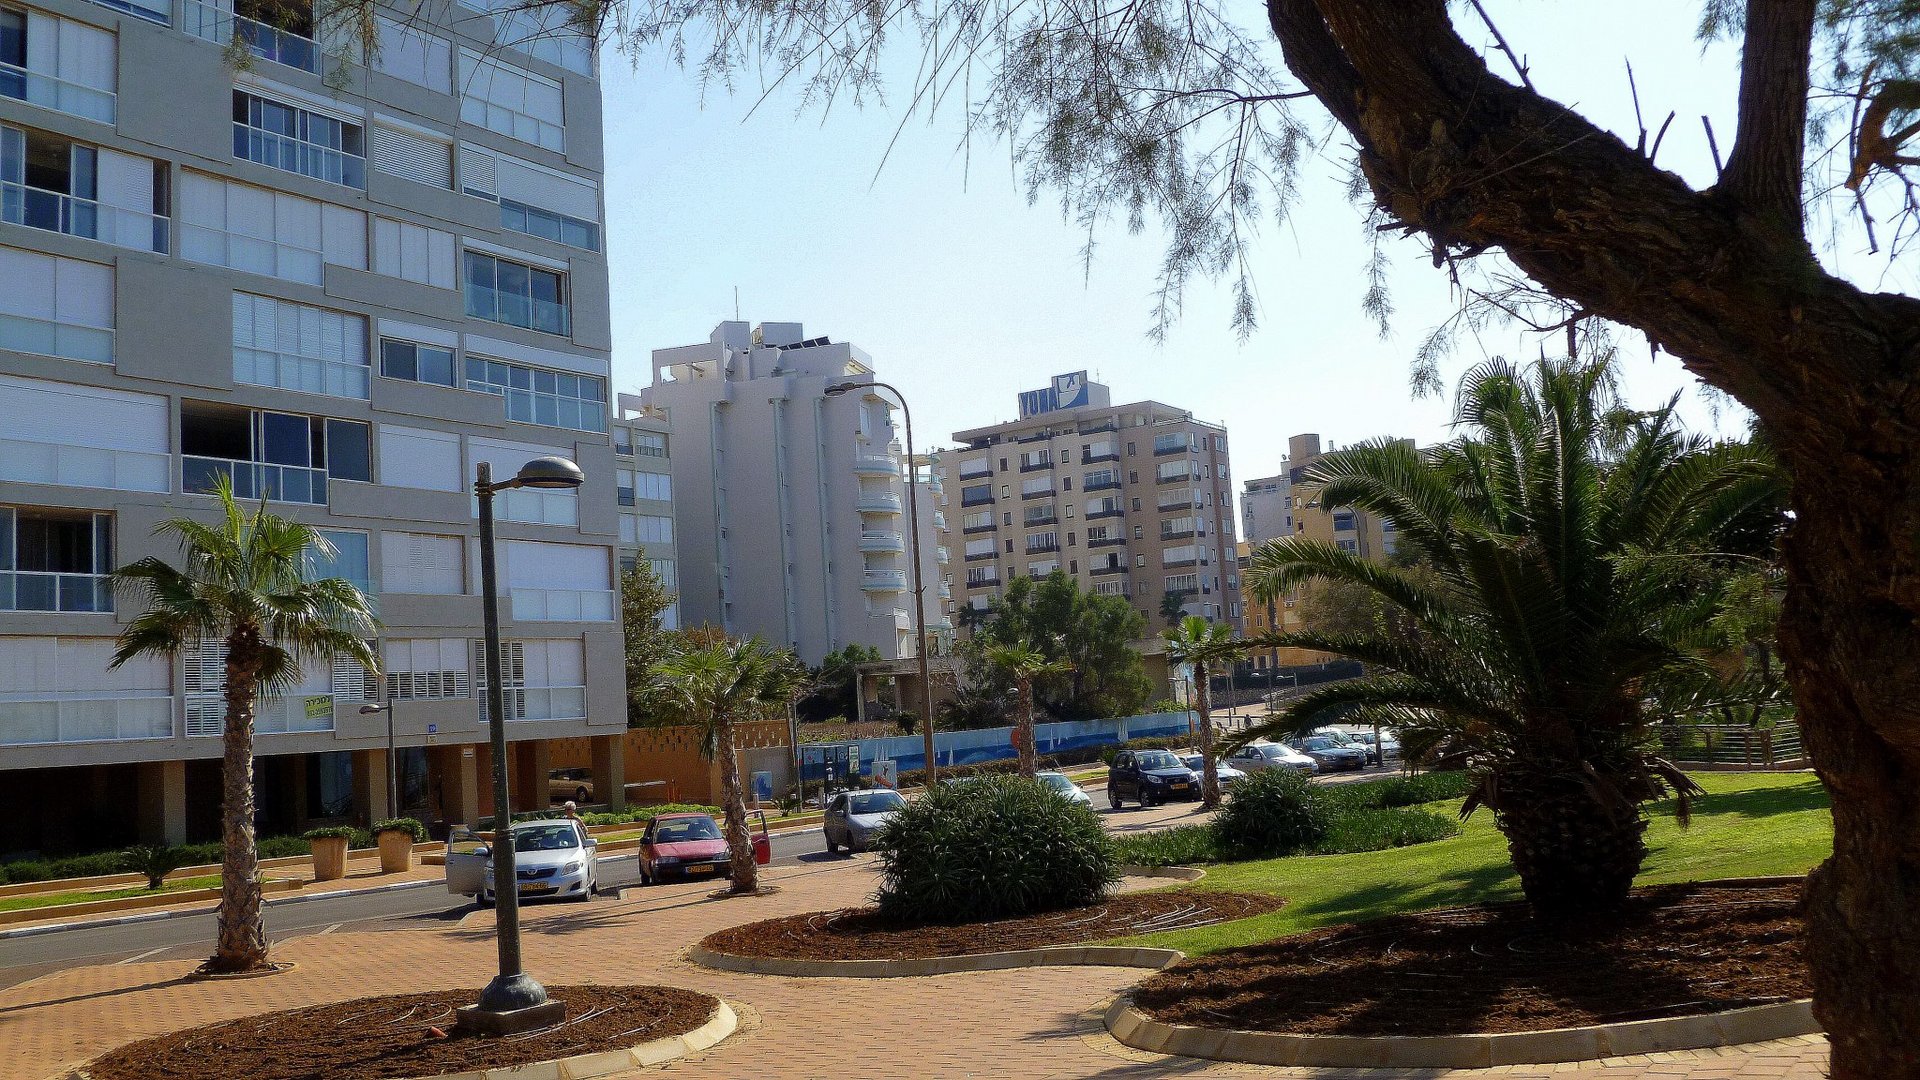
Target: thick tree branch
{"type": "Point", "coordinates": [1766, 167]}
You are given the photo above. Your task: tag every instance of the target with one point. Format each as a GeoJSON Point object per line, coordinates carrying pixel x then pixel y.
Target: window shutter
{"type": "Point", "coordinates": [513, 677]}
{"type": "Point", "coordinates": [407, 155]}
{"type": "Point", "coordinates": [351, 681]}
{"type": "Point", "coordinates": [476, 172]}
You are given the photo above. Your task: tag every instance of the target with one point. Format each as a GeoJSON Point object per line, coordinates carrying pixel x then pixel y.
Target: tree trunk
{"type": "Point", "coordinates": [1209, 775]}
{"type": "Point", "coordinates": [1029, 754]}
{"type": "Point", "coordinates": [1575, 854]}
{"type": "Point", "coordinates": [746, 874]}
{"type": "Point", "coordinates": [242, 941]}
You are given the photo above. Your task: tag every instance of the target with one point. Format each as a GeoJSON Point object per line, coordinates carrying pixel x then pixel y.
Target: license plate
{"type": "Point", "coordinates": [536, 887]}
{"type": "Point", "coordinates": [701, 868]}
{"type": "Point", "coordinates": [1179, 787]}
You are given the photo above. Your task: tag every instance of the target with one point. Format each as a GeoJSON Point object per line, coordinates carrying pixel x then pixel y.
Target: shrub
{"type": "Point", "coordinates": [1274, 812]}
{"type": "Point", "coordinates": [1425, 787]}
{"type": "Point", "coordinates": [1000, 847]}
{"type": "Point", "coordinates": [330, 832]}
{"type": "Point", "coordinates": [273, 847]}
{"type": "Point", "coordinates": [105, 862]}
{"type": "Point", "coordinates": [410, 826]}
{"type": "Point", "coordinates": [156, 862]}
{"type": "Point", "coordinates": [1375, 829]}
{"type": "Point", "coordinates": [1182, 845]}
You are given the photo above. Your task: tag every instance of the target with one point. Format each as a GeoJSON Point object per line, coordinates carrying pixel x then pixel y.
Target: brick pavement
{"type": "Point", "coordinates": [1034, 1023]}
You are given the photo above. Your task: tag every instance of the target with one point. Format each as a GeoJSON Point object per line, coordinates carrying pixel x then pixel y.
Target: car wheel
{"type": "Point", "coordinates": [582, 796]}
{"type": "Point", "coordinates": [1113, 798]}
{"type": "Point", "coordinates": [485, 900]}
{"type": "Point", "coordinates": [832, 848]}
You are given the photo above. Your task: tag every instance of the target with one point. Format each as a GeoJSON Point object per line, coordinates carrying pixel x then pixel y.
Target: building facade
{"type": "Point", "coordinates": [643, 486]}
{"type": "Point", "coordinates": [1129, 500]}
{"type": "Point", "coordinates": [791, 503]}
{"type": "Point", "coordinates": [233, 254]}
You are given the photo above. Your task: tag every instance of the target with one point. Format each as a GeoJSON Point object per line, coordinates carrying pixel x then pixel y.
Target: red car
{"type": "Point", "coordinates": [690, 845]}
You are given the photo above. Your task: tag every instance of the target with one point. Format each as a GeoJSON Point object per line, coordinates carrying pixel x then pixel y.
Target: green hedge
{"type": "Point", "coordinates": [410, 826]}
{"type": "Point", "coordinates": [1079, 755]}
{"type": "Point", "coordinates": [1269, 817]}
{"type": "Point", "coordinates": [101, 863]}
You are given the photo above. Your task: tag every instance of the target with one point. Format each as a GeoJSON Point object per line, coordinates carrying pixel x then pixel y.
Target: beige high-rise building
{"type": "Point", "coordinates": [643, 487]}
{"type": "Point", "coordinates": [1129, 500]}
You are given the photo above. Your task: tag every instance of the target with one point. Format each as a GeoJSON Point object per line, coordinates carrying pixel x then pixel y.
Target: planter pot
{"type": "Point", "coordinates": [396, 852]}
{"type": "Point", "coordinates": [330, 858]}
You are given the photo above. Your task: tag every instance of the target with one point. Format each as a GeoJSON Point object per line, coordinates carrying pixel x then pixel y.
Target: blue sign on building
{"type": "Point", "coordinates": [1067, 391]}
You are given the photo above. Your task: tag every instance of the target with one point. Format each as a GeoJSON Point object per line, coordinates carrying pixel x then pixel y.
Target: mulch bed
{"type": "Point", "coordinates": [403, 1035]}
{"type": "Point", "coordinates": [1674, 951]}
{"type": "Point", "coordinates": [863, 934]}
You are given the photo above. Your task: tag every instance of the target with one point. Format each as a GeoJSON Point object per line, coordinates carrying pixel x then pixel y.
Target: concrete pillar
{"type": "Point", "coordinates": [369, 785]}
{"type": "Point", "coordinates": [163, 802]}
{"type": "Point", "coordinates": [531, 763]}
{"type": "Point", "coordinates": [610, 771]}
{"type": "Point", "coordinates": [460, 794]}
{"type": "Point", "coordinates": [483, 778]}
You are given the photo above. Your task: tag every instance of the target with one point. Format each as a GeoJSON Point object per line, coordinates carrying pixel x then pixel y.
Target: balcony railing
{"type": "Point", "coordinates": [60, 95]}
{"type": "Point", "coordinates": [976, 500]}
{"type": "Point", "coordinates": [35, 590]}
{"type": "Point", "coordinates": [978, 472]}
{"type": "Point", "coordinates": [943, 553]}
{"type": "Point", "coordinates": [1184, 502]}
{"type": "Point", "coordinates": [1096, 515]}
{"type": "Point", "coordinates": [266, 42]}
{"type": "Point", "coordinates": [878, 502]}
{"type": "Point", "coordinates": [254, 480]}
{"type": "Point", "coordinates": [25, 721]}
{"type": "Point", "coordinates": [1176, 448]}
{"type": "Point", "coordinates": [548, 702]}
{"type": "Point", "coordinates": [83, 466]}
{"type": "Point", "coordinates": [53, 211]}
{"type": "Point", "coordinates": [277, 151]}
{"type": "Point", "coordinates": [876, 465]}
{"type": "Point", "coordinates": [298, 714]}
{"type": "Point", "coordinates": [1037, 522]}
{"type": "Point", "coordinates": [882, 541]}
{"type": "Point", "coordinates": [1090, 457]}
{"type": "Point", "coordinates": [23, 333]}
{"type": "Point", "coordinates": [563, 605]}
{"type": "Point", "coordinates": [1036, 466]}
{"type": "Point", "coordinates": [1105, 541]}
{"type": "Point", "coordinates": [1042, 549]}
{"type": "Point", "coordinates": [305, 374]}
{"type": "Point", "coordinates": [884, 580]}
{"type": "Point", "coordinates": [976, 556]}
{"type": "Point", "coordinates": [1047, 493]}
{"type": "Point", "coordinates": [282, 258]}
{"type": "Point", "coordinates": [1101, 485]}
{"type": "Point", "coordinates": [1100, 571]}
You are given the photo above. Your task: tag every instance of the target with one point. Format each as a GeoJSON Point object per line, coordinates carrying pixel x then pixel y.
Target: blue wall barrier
{"type": "Point", "coordinates": [995, 744]}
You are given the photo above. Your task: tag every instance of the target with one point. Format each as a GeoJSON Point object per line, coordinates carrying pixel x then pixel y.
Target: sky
{"type": "Point", "coordinates": [965, 294]}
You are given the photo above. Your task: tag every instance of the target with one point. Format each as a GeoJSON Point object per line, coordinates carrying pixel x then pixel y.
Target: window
{"type": "Point", "coordinates": [1045, 541]}
{"type": "Point", "coordinates": [982, 575]}
{"type": "Point", "coordinates": [535, 506]}
{"type": "Point", "coordinates": [976, 495]}
{"type": "Point", "coordinates": [417, 57]}
{"type": "Point", "coordinates": [151, 10]}
{"type": "Point", "coordinates": [55, 307]}
{"type": "Point", "coordinates": [559, 582]}
{"type": "Point", "coordinates": [512, 101]}
{"type": "Point", "coordinates": [422, 564]}
{"type": "Point", "coordinates": [412, 156]}
{"type": "Point", "coordinates": [270, 455]}
{"type": "Point", "coordinates": [647, 529]}
{"type": "Point", "coordinates": [1107, 507]}
{"type": "Point", "coordinates": [1179, 556]}
{"type": "Point", "coordinates": [1220, 443]}
{"type": "Point", "coordinates": [1036, 459]}
{"type": "Point", "coordinates": [649, 444]}
{"type": "Point", "coordinates": [973, 467]}
{"type": "Point", "coordinates": [1100, 480]}
{"type": "Point", "coordinates": [58, 64]}
{"type": "Point", "coordinates": [61, 689]}
{"type": "Point", "coordinates": [666, 571]}
{"type": "Point", "coordinates": [280, 31]}
{"type": "Point", "coordinates": [1039, 515]}
{"type": "Point", "coordinates": [1348, 545]}
{"type": "Point", "coordinates": [416, 362]}
{"type": "Point", "coordinates": [351, 561]}
{"type": "Point", "coordinates": [1042, 569]}
{"type": "Point", "coordinates": [296, 347]}
{"type": "Point", "coordinates": [1343, 521]}
{"type": "Point", "coordinates": [631, 484]}
{"type": "Point", "coordinates": [55, 560]}
{"type": "Point", "coordinates": [1173, 442]}
{"type": "Point", "coordinates": [296, 140]}
{"type": "Point", "coordinates": [1173, 471]}
{"type": "Point", "coordinates": [541, 396]}
{"type": "Point", "coordinates": [541, 32]}
{"type": "Point", "coordinates": [223, 223]}
{"type": "Point", "coordinates": [413, 253]}
{"type": "Point", "coordinates": [419, 458]}
{"type": "Point", "coordinates": [503, 291]}
{"type": "Point", "coordinates": [1183, 583]}
{"type": "Point", "coordinates": [428, 668]}
{"type": "Point", "coordinates": [1110, 588]}
{"type": "Point", "coordinates": [549, 225]}
{"type": "Point", "coordinates": [1035, 487]}
{"type": "Point", "coordinates": [982, 548]}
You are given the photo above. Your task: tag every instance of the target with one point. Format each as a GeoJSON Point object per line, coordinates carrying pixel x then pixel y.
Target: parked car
{"type": "Point", "coordinates": [1385, 750]}
{"type": "Point", "coordinates": [552, 857]}
{"type": "Point", "coordinates": [1254, 757]}
{"type": "Point", "coordinates": [683, 846]}
{"type": "Point", "coordinates": [1149, 777]}
{"type": "Point", "coordinates": [570, 785]}
{"type": "Point", "coordinates": [1331, 755]}
{"type": "Point", "coordinates": [1066, 788]}
{"type": "Point", "coordinates": [1222, 771]}
{"type": "Point", "coordinates": [854, 816]}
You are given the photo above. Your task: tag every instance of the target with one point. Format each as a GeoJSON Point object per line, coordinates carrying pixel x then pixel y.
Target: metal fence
{"type": "Point", "coordinates": [1735, 746]}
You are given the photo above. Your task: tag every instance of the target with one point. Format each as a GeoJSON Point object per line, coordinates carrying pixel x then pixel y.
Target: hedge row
{"type": "Point", "coordinates": [101, 863]}
{"type": "Point", "coordinates": [1079, 755]}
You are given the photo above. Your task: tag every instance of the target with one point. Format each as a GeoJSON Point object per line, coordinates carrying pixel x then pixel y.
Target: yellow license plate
{"type": "Point", "coordinates": [701, 868]}
{"type": "Point", "coordinates": [1179, 787]}
{"type": "Point", "coordinates": [534, 886]}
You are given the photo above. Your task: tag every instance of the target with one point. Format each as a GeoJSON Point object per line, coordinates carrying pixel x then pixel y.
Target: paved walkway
{"type": "Point", "coordinates": [1040, 1022]}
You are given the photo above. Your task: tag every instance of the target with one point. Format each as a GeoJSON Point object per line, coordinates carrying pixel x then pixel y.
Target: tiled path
{"type": "Point", "coordinates": [1033, 1023]}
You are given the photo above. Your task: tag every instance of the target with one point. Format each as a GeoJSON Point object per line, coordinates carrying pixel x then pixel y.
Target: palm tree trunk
{"type": "Point", "coordinates": [1029, 755]}
{"type": "Point", "coordinates": [746, 875]}
{"type": "Point", "coordinates": [242, 940]}
{"type": "Point", "coordinates": [1575, 853]}
{"type": "Point", "coordinates": [1209, 776]}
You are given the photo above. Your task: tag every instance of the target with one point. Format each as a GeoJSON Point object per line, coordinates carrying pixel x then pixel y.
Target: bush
{"type": "Point", "coordinates": [273, 847]}
{"type": "Point", "coordinates": [1000, 847]}
{"type": "Point", "coordinates": [330, 832]}
{"type": "Point", "coordinates": [156, 862]}
{"type": "Point", "coordinates": [105, 862]}
{"type": "Point", "coordinates": [1425, 787]}
{"type": "Point", "coordinates": [1379, 828]}
{"type": "Point", "coordinates": [410, 826]}
{"type": "Point", "coordinates": [640, 814]}
{"type": "Point", "coordinates": [1182, 845]}
{"type": "Point", "coordinates": [1274, 812]}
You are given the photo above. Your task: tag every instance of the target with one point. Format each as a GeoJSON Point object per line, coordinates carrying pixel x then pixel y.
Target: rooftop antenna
{"type": "Point", "coordinates": [736, 303]}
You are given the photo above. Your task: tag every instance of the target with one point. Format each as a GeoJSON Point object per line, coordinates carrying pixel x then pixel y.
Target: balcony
{"type": "Point", "coordinates": [1105, 541]}
{"type": "Point", "coordinates": [1185, 476]}
{"type": "Point", "coordinates": [940, 521]}
{"type": "Point", "coordinates": [943, 554]}
{"type": "Point", "coordinates": [1101, 485]}
{"type": "Point", "coordinates": [563, 605]}
{"type": "Point", "coordinates": [1047, 494]}
{"type": "Point", "coordinates": [876, 465]}
{"type": "Point", "coordinates": [983, 582]}
{"type": "Point", "coordinates": [1042, 549]}
{"type": "Point", "coordinates": [104, 718]}
{"type": "Point", "coordinates": [262, 40]}
{"type": "Point", "coordinates": [1175, 534]}
{"type": "Point", "coordinates": [946, 591]}
{"type": "Point", "coordinates": [1184, 502]}
{"type": "Point", "coordinates": [1175, 448]}
{"type": "Point", "coordinates": [878, 502]}
{"type": "Point", "coordinates": [33, 590]}
{"type": "Point", "coordinates": [1096, 515]}
{"type": "Point", "coordinates": [1102, 571]}
{"type": "Point", "coordinates": [53, 211]}
{"type": "Point", "coordinates": [254, 480]}
{"type": "Point", "coordinates": [976, 556]}
{"type": "Point", "coordinates": [207, 715]}
{"type": "Point", "coordinates": [1036, 466]}
{"type": "Point", "coordinates": [1104, 455]}
{"type": "Point", "coordinates": [60, 95]}
{"type": "Point", "coordinates": [882, 541]}
{"type": "Point", "coordinates": [884, 581]}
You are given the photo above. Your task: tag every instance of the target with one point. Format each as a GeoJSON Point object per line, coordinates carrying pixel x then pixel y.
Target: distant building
{"type": "Point", "coordinates": [1129, 500]}
{"type": "Point", "coordinates": [643, 488]}
{"type": "Point", "coordinates": [790, 504]}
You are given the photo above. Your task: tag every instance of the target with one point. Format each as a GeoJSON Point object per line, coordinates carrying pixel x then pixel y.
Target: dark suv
{"type": "Point", "coordinates": [1149, 777]}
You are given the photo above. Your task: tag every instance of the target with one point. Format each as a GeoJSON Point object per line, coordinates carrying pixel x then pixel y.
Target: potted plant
{"type": "Point", "coordinates": [329, 851]}
{"type": "Point", "coordinates": [397, 837]}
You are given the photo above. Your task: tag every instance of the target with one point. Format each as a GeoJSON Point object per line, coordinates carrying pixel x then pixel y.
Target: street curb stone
{"type": "Point", "coordinates": [156, 916]}
{"type": "Point", "coordinates": [1052, 956]}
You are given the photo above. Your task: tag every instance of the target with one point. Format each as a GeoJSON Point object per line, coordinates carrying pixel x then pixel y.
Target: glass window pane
{"type": "Point", "coordinates": [436, 365]}
{"type": "Point", "coordinates": [545, 382]}
{"type": "Point", "coordinates": [284, 439]}
{"type": "Point", "coordinates": [397, 360]}
{"type": "Point", "coordinates": [349, 456]}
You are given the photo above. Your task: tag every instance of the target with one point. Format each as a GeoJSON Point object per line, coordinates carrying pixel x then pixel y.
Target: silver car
{"type": "Point", "coordinates": [854, 816]}
{"type": "Point", "coordinates": [552, 857]}
{"type": "Point", "coordinates": [1064, 787]}
{"type": "Point", "coordinates": [1223, 772]}
{"type": "Point", "coordinates": [1254, 757]}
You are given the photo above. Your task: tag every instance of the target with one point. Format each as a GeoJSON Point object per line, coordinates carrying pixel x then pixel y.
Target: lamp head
{"type": "Point", "coordinates": [843, 388]}
{"type": "Point", "coordinates": [369, 710]}
{"type": "Point", "coordinates": [550, 472]}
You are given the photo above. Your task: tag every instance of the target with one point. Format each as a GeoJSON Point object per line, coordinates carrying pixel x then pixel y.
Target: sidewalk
{"type": "Point", "coordinates": [1033, 1023]}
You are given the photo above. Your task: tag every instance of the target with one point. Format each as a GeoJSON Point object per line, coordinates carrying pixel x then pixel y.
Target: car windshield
{"type": "Point", "coordinates": [1157, 759]}
{"type": "Point", "coordinates": [680, 830]}
{"type": "Point", "coordinates": [876, 802]}
{"type": "Point", "coordinates": [546, 838]}
{"type": "Point", "coordinates": [1320, 742]}
{"type": "Point", "coordinates": [1057, 781]}
{"type": "Point", "coordinates": [1193, 761]}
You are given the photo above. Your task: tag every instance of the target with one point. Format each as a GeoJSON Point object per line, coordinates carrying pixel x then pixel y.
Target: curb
{"type": "Point", "coordinates": [1759, 1023]}
{"type": "Point", "coordinates": [157, 916]}
{"type": "Point", "coordinates": [1177, 873]}
{"type": "Point", "coordinates": [1052, 956]}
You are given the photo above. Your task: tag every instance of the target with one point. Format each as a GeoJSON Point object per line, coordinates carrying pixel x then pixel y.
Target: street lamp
{"type": "Point", "coordinates": [513, 1001]}
{"type": "Point", "coordinates": [919, 582]}
{"type": "Point", "coordinates": [393, 773]}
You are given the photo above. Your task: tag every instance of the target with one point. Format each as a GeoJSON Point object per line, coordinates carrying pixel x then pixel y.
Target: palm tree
{"type": "Point", "coordinates": [1173, 608]}
{"type": "Point", "coordinates": [1560, 544]}
{"type": "Point", "coordinates": [1022, 663]}
{"type": "Point", "coordinates": [1207, 646]}
{"type": "Point", "coordinates": [244, 582]}
{"type": "Point", "coordinates": [713, 687]}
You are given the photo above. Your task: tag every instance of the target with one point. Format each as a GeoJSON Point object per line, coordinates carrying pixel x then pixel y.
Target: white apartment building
{"type": "Point", "coordinates": [1129, 500]}
{"type": "Point", "coordinates": [341, 287]}
{"type": "Point", "coordinates": [643, 487]}
{"type": "Point", "coordinates": [791, 506]}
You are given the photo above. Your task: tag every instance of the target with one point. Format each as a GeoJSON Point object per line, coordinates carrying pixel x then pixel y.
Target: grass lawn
{"type": "Point", "coordinates": [42, 900]}
{"type": "Point", "coordinates": [1748, 825]}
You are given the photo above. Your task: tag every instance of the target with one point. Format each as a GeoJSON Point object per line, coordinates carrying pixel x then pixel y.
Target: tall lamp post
{"type": "Point", "coordinates": [919, 582]}
{"type": "Point", "coordinates": [393, 770]}
{"type": "Point", "coordinates": [513, 1001]}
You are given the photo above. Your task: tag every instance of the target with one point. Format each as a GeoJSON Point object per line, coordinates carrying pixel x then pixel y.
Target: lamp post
{"type": "Point", "coordinates": [919, 582]}
{"type": "Point", "coordinates": [513, 1001]}
{"type": "Point", "coordinates": [393, 772]}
